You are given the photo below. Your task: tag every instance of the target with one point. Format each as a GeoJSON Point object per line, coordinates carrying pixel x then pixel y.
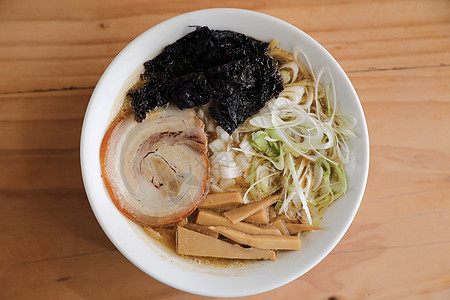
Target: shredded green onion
{"type": "Point", "coordinates": [299, 145]}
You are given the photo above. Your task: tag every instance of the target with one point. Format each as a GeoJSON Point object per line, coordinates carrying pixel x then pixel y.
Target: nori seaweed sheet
{"type": "Point", "coordinates": [230, 69]}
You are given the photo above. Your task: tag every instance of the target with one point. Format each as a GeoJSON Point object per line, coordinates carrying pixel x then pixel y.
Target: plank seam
{"type": "Point", "coordinates": [56, 258]}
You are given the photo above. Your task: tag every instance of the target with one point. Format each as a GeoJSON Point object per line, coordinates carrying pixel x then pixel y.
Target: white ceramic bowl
{"type": "Point", "coordinates": [149, 256]}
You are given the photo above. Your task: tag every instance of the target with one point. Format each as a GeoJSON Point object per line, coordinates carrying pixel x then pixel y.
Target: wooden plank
{"type": "Point", "coordinates": [54, 59]}
{"type": "Point", "coordinates": [46, 224]}
{"type": "Point", "coordinates": [100, 276]}
{"type": "Point", "coordinates": [44, 106]}
{"type": "Point", "coordinates": [47, 120]}
{"type": "Point", "coordinates": [46, 169]}
{"type": "Point", "coordinates": [109, 275]}
{"type": "Point", "coordinates": [398, 221]}
{"type": "Point", "coordinates": [341, 268]}
{"type": "Point", "coordinates": [398, 171]}
{"type": "Point", "coordinates": [57, 134]}
{"type": "Point", "coordinates": [411, 85]}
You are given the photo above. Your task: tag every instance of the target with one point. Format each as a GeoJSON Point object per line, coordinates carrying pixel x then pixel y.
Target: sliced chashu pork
{"type": "Point", "coordinates": [156, 171]}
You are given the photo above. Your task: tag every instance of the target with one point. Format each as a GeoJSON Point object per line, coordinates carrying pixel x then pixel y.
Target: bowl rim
{"type": "Point", "coordinates": [105, 227]}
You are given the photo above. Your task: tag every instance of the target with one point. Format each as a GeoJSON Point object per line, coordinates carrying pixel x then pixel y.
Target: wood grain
{"type": "Point", "coordinates": [396, 53]}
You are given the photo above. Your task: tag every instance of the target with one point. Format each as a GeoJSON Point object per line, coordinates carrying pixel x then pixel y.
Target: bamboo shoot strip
{"type": "Point", "coordinates": [281, 227]}
{"type": "Point", "coordinates": [209, 218]}
{"type": "Point", "coordinates": [278, 242]}
{"type": "Point", "coordinates": [193, 243]}
{"type": "Point", "coordinates": [296, 228]}
{"type": "Point", "coordinates": [201, 229]}
{"type": "Point", "coordinates": [261, 217]}
{"type": "Point", "coordinates": [238, 214]}
{"type": "Point", "coordinates": [222, 199]}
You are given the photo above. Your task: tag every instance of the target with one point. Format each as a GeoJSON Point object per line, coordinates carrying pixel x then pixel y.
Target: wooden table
{"type": "Point", "coordinates": [397, 54]}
